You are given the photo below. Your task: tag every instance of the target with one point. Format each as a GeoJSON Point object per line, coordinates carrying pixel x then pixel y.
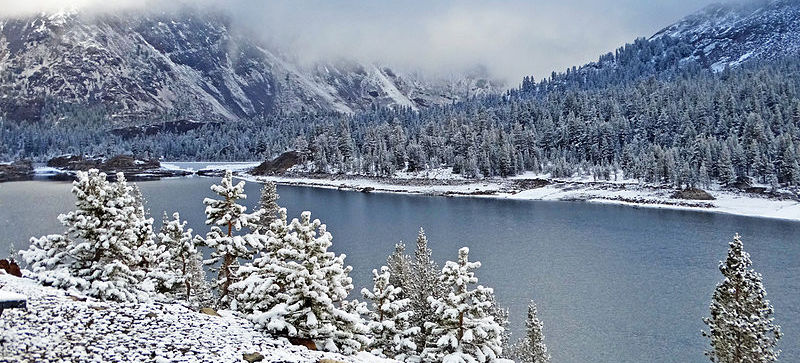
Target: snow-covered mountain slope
{"type": "Point", "coordinates": [56, 327]}
{"type": "Point", "coordinates": [728, 34]}
{"type": "Point", "coordinates": [191, 65]}
{"type": "Point", "coordinates": [716, 37]}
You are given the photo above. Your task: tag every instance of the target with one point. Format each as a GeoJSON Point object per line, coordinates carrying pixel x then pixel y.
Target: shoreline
{"type": "Point", "coordinates": [625, 193]}
{"type": "Point", "coordinates": [528, 187]}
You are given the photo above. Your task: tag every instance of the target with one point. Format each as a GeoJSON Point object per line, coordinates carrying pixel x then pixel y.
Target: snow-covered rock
{"type": "Point", "coordinates": [57, 327]}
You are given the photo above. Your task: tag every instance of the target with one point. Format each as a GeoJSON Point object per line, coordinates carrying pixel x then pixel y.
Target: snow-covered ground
{"type": "Point", "coordinates": [621, 191]}
{"type": "Point", "coordinates": [193, 166]}
{"type": "Point", "coordinates": [58, 327]}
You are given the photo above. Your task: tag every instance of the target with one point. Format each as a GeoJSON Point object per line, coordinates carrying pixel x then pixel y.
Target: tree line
{"type": "Point", "coordinates": [692, 129]}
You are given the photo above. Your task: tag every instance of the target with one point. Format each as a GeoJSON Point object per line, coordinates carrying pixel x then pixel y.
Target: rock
{"type": "Point", "coordinates": [73, 162]}
{"type": "Point", "coordinates": [253, 357]}
{"type": "Point", "coordinates": [209, 311]}
{"type": "Point", "coordinates": [123, 163]}
{"type": "Point", "coordinates": [211, 172]}
{"type": "Point", "coordinates": [151, 315]}
{"type": "Point", "coordinates": [324, 360]}
{"type": "Point", "coordinates": [280, 164]}
{"type": "Point", "coordinates": [18, 170]}
{"type": "Point", "coordinates": [525, 184]}
{"type": "Point", "coordinates": [10, 267]}
{"type": "Point", "coordinates": [692, 194]}
{"type": "Point", "coordinates": [128, 162]}
{"type": "Point", "coordinates": [308, 343]}
{"type": "Point", "coordinates": [134, 168]}
{"type": "Point", "coordinates": [367, 190]}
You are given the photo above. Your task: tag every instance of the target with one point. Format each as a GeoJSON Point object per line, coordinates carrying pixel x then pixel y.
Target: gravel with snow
{"type": "Point", "coordinates": [57, 327]}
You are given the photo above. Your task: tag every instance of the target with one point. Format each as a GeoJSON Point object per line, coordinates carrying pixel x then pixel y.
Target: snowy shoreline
{"type": "Point", "coordinates": [531, 187]}
{"type": "Point", "coordinates": [626, 193]}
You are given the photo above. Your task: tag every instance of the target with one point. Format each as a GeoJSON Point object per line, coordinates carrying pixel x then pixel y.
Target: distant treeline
{"type": "Point", "coordinates": [639, 110]}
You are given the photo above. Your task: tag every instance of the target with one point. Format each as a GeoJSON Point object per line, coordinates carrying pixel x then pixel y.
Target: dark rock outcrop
{"type": "Point", "coordinates": [123, 163]}
{"type": "Point", "coordinates": [692, 194]}
{"type": "Point", "coordinates": [280, 164]}
{"type": "Point", "coordinates": [10, 267]}
{"type": "Point", "coordinates": [132, 167]}
{"type": "Point", "coordinates": [18, 170]}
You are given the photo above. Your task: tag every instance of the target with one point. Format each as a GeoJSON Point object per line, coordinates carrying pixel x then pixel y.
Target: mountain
{"type": "Point", "coordinates": [730, 34]}
{"type": "Point", "coordinates": [711, 39]}
{"type": "Point", "coordinates": [191, 65]}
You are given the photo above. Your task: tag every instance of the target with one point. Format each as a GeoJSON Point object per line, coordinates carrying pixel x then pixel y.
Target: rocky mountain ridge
{"type": "Point", "coordinates": [189, 65]}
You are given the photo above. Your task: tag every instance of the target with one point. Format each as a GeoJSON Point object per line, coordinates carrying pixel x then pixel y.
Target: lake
{"type": "Point", "coordinates": [613, 283]}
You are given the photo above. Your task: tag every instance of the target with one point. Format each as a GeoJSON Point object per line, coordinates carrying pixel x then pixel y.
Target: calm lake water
{"type": "Point", "coordinates": [613, 283]}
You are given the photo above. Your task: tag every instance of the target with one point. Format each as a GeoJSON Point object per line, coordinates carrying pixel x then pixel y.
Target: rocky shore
{"type": "Point", "coordinates": [18, 170]}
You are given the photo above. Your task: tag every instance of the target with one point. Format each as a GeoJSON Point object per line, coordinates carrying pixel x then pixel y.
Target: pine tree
{"type": "Point", "coordinates": [260, 280]}
{"type": "Point", "coordinates": [391, 330]}
{"type": "Point", "coordinates": [305, 287]}
{"type": "Point", "coordinates": [500, 315]}
{"type": "Point", "coordinates": [183, 258]}
{"type": "Point", "coordinates": [462, 328]}
{"type": "Point", "coordinates": [741, 327]}
{"type": "Point", "coordinates": [269, 203]}
{"type": "Point", "coordinates": [424, 283]}
{"type": "Point", "coordinates": [98, 253]}
{"type": "Point", "coordinates": [727, 175]}
{"type": "Point", "coordinates": [154, 259]}
{"type": "Point", "coordinates": [228, 248]}
{"type": "Point", "coordinates": [531, 348]}
{"type": "Point", "coordinates": [400, 265]}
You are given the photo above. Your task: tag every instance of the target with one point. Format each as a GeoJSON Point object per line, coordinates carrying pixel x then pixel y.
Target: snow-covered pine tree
{"type": "Point", "coordinates": [462, 328]}
{"type": "Point", "coordinates": [308, 285]}
{"type": "Point", "coordinates": [531, 347]}
{"type": "Point", "coordinates": [256, 290]}
{"type": "Point", "coordinates": [399, 265]}
{"type": "Point", "coordinates": [226, 212]}
{"type": "Point", "coordinates": [424, 282]}
{"type": "Point", "coordinates": [153, 258]}
{"type": "Point", "coordinates": [184, 257]}
{"type": "Point", "coordinates": [351, 333]}
{"type": "Point", "coordinates": [501, 317]}
{"type": "Point", "coordinates": [98, 252]}
{"type": "Point", "coordinates": [741, 327]}
{"type": "Point", "coordinates": [389, 324]}
{"type": "Point", "coordinates": [269, 203]}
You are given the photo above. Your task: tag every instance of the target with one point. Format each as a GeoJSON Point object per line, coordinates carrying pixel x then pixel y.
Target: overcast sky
{"type": "Point", "coordinates": [511, 38]}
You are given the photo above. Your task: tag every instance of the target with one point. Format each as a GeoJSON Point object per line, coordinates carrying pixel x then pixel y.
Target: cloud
{"type": "Point", "coordinates": [511, 38]}
{"type": "Point", "coordinates": [23, 7]}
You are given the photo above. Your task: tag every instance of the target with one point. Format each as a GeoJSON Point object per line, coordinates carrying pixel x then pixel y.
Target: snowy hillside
{"type": "Point", "coordinates": [716, 37]}
{"type": "Point", "coordinates": [729, 34]}
{"type": "Point", "coordinates": [191, 65]}
{"type": "Point", "coordinates": [59, 327]}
